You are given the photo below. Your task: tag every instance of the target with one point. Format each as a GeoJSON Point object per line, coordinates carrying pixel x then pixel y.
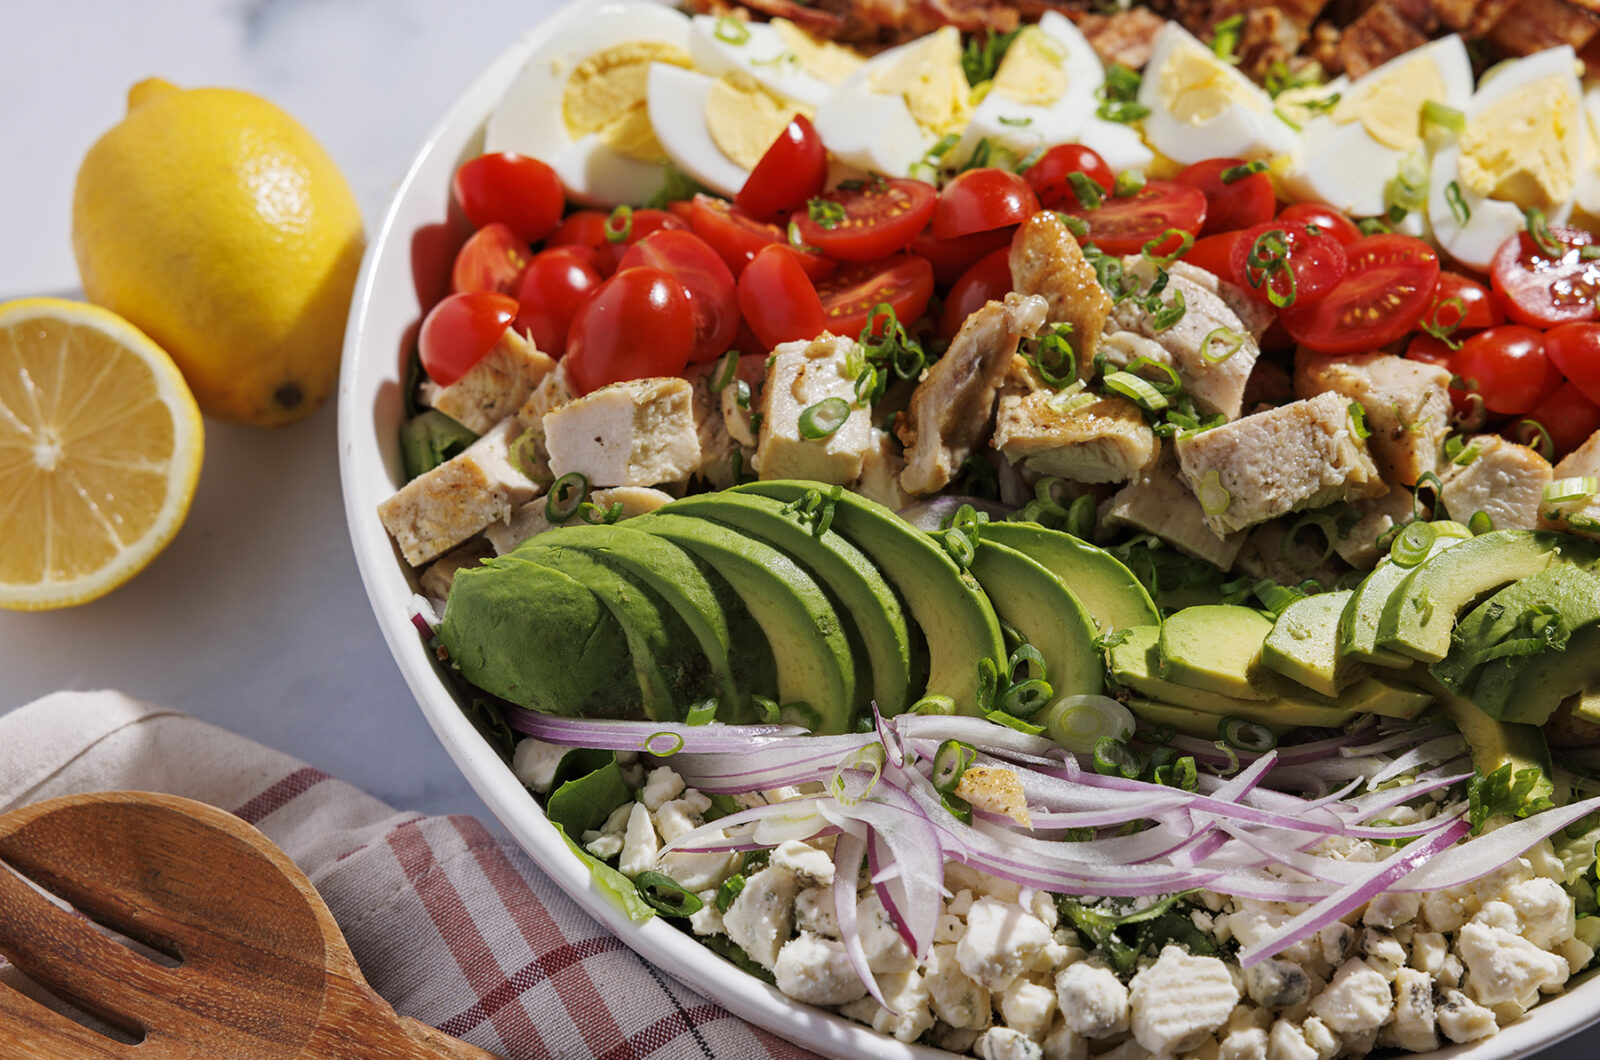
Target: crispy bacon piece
{"type": "Point", "coordinates": [1123, 37]}
{"type": "Point", "coordinates": [1383, 31]}
{"type": "Point", "coordinates": [1471, 18]}
{"type": "Point", "coordinates": [1534, 25]}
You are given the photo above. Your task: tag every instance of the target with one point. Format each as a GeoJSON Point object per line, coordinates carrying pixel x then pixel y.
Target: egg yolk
{"type": "Point", "coordinates": [606, 95]}
{"type": "Point", "coordinates": [1390, 107]}
{"type": "Point", "coordinates": [743, 117]}
{"type": "Point", "coordinates": [1522, 147]}
{"type": "Point", "coordinates": [1196, 86]}
{"type": "Point", "coordinates": [1032, 71]}
{"type": "Point", "coordinates": [928, 76]}
{"type": "Point", "coordinates": [826, 61]}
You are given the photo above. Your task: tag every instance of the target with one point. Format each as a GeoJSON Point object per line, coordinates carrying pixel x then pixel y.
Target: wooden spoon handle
{"type": "Point", "coordinates": [441, 1046]}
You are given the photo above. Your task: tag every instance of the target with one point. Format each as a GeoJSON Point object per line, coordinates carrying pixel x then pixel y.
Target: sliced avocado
{"type": "Point", "coordinates": [1189, 721]}
{"type": "Point", "coordinates": [1519, 616]}
{"type": "Point", "coordinates": [868, 603]}
{"type": "Point", "coordinates": [1108, 590]}
{"type": "Point", "coordinates": [1135, 664]}
{"type": "Point", "coordinates": [739, 656]}
{"type": "Point", "coordinates": [1217, 647]}
{"type": "Point", "coordinates": [1380, 695]}
{"type": "Point", "coordinates": [1304, 644]}
{"type": "Point", "coordinates": [1358, 626]}
{"type": "Point", "coordinates": [815, 666]}
{"type": "Point", "coordinates": [1038, 604]}
{"type": "Point", "coordinates": [1585, 705]}
{"type": "Point", "coordinates": [1529, 688]}
{"type": "Point", "coordinates": [671, 669]}
{"type": "Point", "coordinates": [536, 637]}
{"type": "Point", "coordinates": [955, 616]}
{"type": "Point", "coordinates": [1496, 744]}
{"type": "Point", "coordinates": [1421, 612]}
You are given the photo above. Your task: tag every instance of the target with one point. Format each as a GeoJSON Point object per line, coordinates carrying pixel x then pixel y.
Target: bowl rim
{"type": "Point", "coordinates": [368, 466]}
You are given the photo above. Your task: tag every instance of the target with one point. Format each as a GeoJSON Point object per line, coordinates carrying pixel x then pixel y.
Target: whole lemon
{"type": "Point", "coordinates": [213, 221]}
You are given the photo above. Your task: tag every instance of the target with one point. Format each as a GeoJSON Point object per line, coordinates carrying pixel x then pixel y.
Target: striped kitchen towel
{"type": "Point", "coordinates": [451, 925]}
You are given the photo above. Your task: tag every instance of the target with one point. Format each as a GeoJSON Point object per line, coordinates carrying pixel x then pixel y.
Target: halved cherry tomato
{"type": "Point", "coordinates": [554, 285]}
{"type": "Point", "coordinates": [1388, 284]}
{"type": "Point", "coordinates": [1049, 175]}
{"type": "Point", "coordinates": [706, 280]}
{"type": "Point", "coordinates": [903, 281]}
{"type": "Point", "coordinates": [610, 234]}
{"type": "Point", "coordinates": [1324, 218]}
{"type": "Point", "coordinates": [1307, 264]}
{"type": "Point", "coordinates": [520, 192]}
{"type": "Point", "coordinates": [1508, 368]}
{"type": "Point", "coordinates": [737, 239]}
{"type": "Point", "coordinates": [1575, 349]}
{"type": "Point", "coordinates": [1242, 202]}
{"type": "Point", "coordinates": [988, 279]}
{"type": "Point", "coordinates": [777, 298]}
{"type": "Point", "coordinates": [981, 200]}
{"type": "Point", "coordinates": [492, 259]}
{"type": "Point", "coordinates": [458, 331]}
{"type": "Point", "coordinates": [1215, 254]}
{"type": "Point", "coordinates": [952, 257]}
{"type": "Point", "coordinates": [792, 170]}
{"type": "Point", "coordinates": [1567, 415]}
{"type": "Point", "coordinates": [635, 325]}
{"type": "Point", "coordinates": [865, 223]}
{"type": "Point", "coordinates": [1124, 224]}
{"type": "Point", "coordinates": [1461, 306]}
{"type": "Point", "coordinates": [1540, 290]}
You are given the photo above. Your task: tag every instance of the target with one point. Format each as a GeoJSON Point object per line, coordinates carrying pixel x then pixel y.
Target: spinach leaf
{"type": "Point", "coordinates": [587, 786]}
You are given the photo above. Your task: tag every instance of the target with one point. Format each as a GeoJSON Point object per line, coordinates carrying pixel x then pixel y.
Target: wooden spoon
{"type": "Point", "coordinates": [262, 971]}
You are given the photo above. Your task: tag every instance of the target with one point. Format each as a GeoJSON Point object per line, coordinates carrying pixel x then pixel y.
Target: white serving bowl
{"type": "Point", "coordinates": [405, 270]}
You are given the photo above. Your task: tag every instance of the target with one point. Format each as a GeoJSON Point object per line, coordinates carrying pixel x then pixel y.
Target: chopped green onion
{"type": "Point", "coordinates": [959, 546]}
{"type": "Point", "coordinates": [1411, 546]}
{"type": "Point", "coordinates": [1232, 342]}
{"type": "Point", "coordinates": [770, 711]}
{"type": "Point", "coordinates": [666, 895]}
{"type": "Point", "coordinates": [726, 371]}
{"type": "Point", "coordinates": [1169, 383]}
{"type": "Point", "coordinates": [676, 744]}
{"type": "Point", "coordinates": [783, 57]}
{"type": "Point", "coordinates": [1535, 436]}
{"type": "Point", "coordinates": [701, 713]}
{"type": "Point", "coordinates": [825, 213]}
{"type": "Point", "coordinates": [1480, 523]}
{"type": "Point", "coordinates": [1225, 38]}
{"type": "Point", "coordinates": [1113, 757]}
{"type": "Point", "coordinates": [1016, 123]}
{"type": "Point", "coordinates": [1358, 416]}
{"type": "Point", "coordinates": [950, 761]}
{"type": "Point", "coordinates": [566, 496]}
{"type": "Point", "coordinates": [1026, 698]}
{"type": "Point", "coordinates": [1079, 722]}
{"type": "Point", "coordinates": [1447, 118]}
{"type": "Point", "coordinates": [730, 889]}
{"type": "Point", "coordinates": [1076, 225]}
{"type": "Point", "coordinates": [1464, 453]}
{"type": "Point", "coordinates": [1052, 356]}
{"type": "Point", "coordinates": [595, 515]}
{"type": "Point", "coordinates": [1284, 117]}
{"type": "Point", "coordinates": [1539, 232]}
{"type": "Point", "coordinates": [1118, 95]}
{"type": "Point", "coordinates": [1167, 315]}
{"type": "Point", "coordinates": [731, 30]}
{"type": "Point", "coordinates": [1275, 597]}
{"type": "Point", "coordinates": [619, 226]}
{"type": "Point", "coordinates": [1185, 244]}
{"type": "Point", "coordinates": [823, 418]}
{"type": "Point", "coordinates": [970, 521]}
{"type": "Point", "coordinates": [797, 240]}
{"type": "Point", "coordinates": [934, 703]}
{"type": "Point", "coordinates": [1213, 495]}
{"type": "Point", "coordinates": [1577, 488]}
{"type": "Point", "coordinates": [1137, 389]}
{"type": "Point", "coordinates": [1233, 174]}
{"type": "Point", "coordinates": [1090, 195]}
{"type": "Point", "coordinates": [1244, 735]}
{"type": "Point", "coordinates": [1129, 183]}
{"type": "Point", "coordinates": [1407, 190]}
{"type": "Point", "coordinates": [1588, 252]}
{"type": "Point", "coordinates": [1371, 226]}
{"type": "Point", "coordinates": [1457, 203]}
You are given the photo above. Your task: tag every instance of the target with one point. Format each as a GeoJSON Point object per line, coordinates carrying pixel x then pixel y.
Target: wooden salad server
{"type": "Point", "coordinates": [254, 965]}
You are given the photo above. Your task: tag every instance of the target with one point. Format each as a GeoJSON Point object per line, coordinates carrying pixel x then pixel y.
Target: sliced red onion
{"type": "Point", "coordinates": [1483, 854]}
{"type": "Point", "coordinates": [610, 735]}
{"type": "Point", "coordinates": [932, 514]}
{"type": "Point", "coordinates": [847, 856]}
{"type": "Point", "coordinates": [1430, 753]}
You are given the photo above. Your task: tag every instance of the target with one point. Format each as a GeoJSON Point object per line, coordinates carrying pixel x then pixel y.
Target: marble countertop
{"type": "Point", "coordinates": [254, 618]}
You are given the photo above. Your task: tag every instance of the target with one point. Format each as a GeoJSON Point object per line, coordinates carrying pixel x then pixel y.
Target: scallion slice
{"type": "Point", "coordinates": [1137, 389]}
{"type": "Point", "coordinates": [666, 895]}
{"type": "Point", "coordinates": [1113, 758]}
{"type": "Point", "coordinates": [1576, 488]}
{"type": "Point", "coordinates": [1129, 183]}
{"type": "Point", "coordinates": [1026, 698]}
{"type": "Point", "coordinates": [1078, 723]}
{"type": "Point", "coordinates": [1212, 494]}
{"type": "Point", "coordinates": [1411, 546]}
{"type": "Point", "coordinates": [731, 30]}
{"type": "Point", "coordinates": [725, 372]}
{"type": "Point", "coordinates": [1244, 735]}
{"type": "Point", "coordinates": [566, 496]}
{"type": "Point", "coordinates": [701, 713]}
{"type": "Point", "coordinates": [824, 418]}
{"type": "Point", "coordinates": [1445, 117]}
{"type": "Point", "coordinates": [950, 761]}
{"type": "Point", "coordinates": [619, 226]}
{"type": "Point", "coordinates": [1231, 342]}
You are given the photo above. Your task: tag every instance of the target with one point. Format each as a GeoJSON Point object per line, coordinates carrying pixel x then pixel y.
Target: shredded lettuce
{"type": "Point", "coordinates": [587, 786]}
{"type": "Point", "coordinates": [1508, 793]}
{"type": "Point", "coordinates": [1122, 937]}
{"type": "Point", "coordinates": [617, 888]}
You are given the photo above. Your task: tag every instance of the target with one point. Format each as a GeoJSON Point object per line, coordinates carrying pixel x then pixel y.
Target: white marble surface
{"type": "Point", "coordinates": [254, 618]}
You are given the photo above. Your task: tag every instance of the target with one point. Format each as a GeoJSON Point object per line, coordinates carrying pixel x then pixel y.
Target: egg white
{"type": "Point", "coordinates": [1119, 145]}
{"type": "Point", "coordinates": [870, 130]}
{"type": "Point", "coordinates": [1241, 130]}
{"type": "Point", "coordinates": [762, 55]}
{"type": "Point", "coordinates": [1343, 165]}
{"type": "Point", "coordinates": [677, 101]}
{"type": "Point", "coordinates": [1490, 222]}
{"type": "Point", "coordinates": [1589, 186]}
{"type": "Point", "coordinates": [528, 119]}
{"type": "Point", "coordinates": [1023, 127]}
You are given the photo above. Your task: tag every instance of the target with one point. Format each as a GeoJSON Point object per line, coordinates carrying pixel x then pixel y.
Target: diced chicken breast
{"type": "Point", "coordinates": [1407, 406]}
{"type": "Point", "coordinates": [532, 519]}
{"type": "Point", "coordinates": [1270, 552]}
{"type": "Point", "coordinates": [1106, 440]}
{"type": "Point", "coordinates": [1375, 516]}
{"type": "Point", "coordinates": [1216, 385]}
{"type": "Point", "coordinates": [1301, 455]}
{"type": "Point", "coordinates": [738, 400]}
{"type": "Point", "coordinates": [441, 573]}
{"type": "Point", "coordinates": [1576, 514]}
{"type": "Point", "coordinates": [881, 465]}
{"type": "Point", "coordinates": [1504, 480]}
{"type": "Point", "coordinates": [637, 433]}
{"type": "Point", "coordinates": [437, 511]}
{"type": "Point", "coordinates": [552, 391]}
{"type": "Point", "coordinates": [1256, 316]}
{"type": "Point", "coordinates": [801, 375]}
{"type": "Point", "coordinates": [953, 406]}
{"type": "Point", "coordinates": [1047, 261]}
{"type": "Point", "coordinates": [1159, 502]}
{"type": "Point", "coordinates": [723, 461]}
{"type": "Point", "coordinates": [496, 386]}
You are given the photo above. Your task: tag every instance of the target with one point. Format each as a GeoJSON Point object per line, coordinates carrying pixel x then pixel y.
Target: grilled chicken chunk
{"type": "Point", "coordinates": [1577, 514]}
{"type": "Point", "coordinates": [801, 375]}
{"type": "Point", "coordinates": [532, 518]}
{"type": "Point", "coordinates": [1106, 440]}
{"type": "Point", "coordinates": [953, 407]}
{"type": "Point", "coordinates": [636, 433]}
{"type": "Point", "coordinates": [1504, 480]}
{"type": "Point", "coordinates": [1160, 502]}
{"type": "Point", "coordinates": [1357, 545]}
{"type": "Point", "coordinates": [495, 387]}
{"type": "Point", "coordinates": [1407, 405]}
{"type": "Point", "coordinates": [1047, 261]}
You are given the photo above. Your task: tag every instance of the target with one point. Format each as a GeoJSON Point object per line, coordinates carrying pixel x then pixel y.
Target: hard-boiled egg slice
{"type": "Point", "coordinates": [1042, 92]}
{"type": "Point", "coordinates": [1201, 107]}
{"type": "Point", "coordinates": [1355, 144]}
{"type": "Point", "coordinates": [580, 102]}
{"type": "Point", "coordinates": [1522, 149]}
{"type": "Point", "coordinates": [779, 54]}
{"type": "Point", "coordinates": [891, 112]}
{"type": "Point", "coordinates": [1589, 187]}
{"type": "Point", "coordinates": [1120, 145]}
{"type": "Point", "coordinates": [715, 129]}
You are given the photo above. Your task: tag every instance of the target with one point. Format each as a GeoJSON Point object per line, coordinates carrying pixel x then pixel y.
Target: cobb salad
{"type": "Point", "coordinates": [956, 584]}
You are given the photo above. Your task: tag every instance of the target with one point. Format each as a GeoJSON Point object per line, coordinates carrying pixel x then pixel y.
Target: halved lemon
{"type": "Point", "coordinates": [100, 450]}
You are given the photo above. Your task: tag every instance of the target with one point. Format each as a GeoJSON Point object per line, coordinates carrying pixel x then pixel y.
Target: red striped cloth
{"type": "Point", "coordinates": [450, 924]}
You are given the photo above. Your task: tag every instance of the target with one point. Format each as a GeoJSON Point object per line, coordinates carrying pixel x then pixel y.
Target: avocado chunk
{"type": "Point", "coordinates": [1135, 664]}
{"type": "Point", "coordinates": [1391, 699]}
{"type": "Point", "coordinates": [1421, 612]}
{"type": "Point", "coordinates": [1529, 688]}
{"type": "Point", "coordinates": [966, 651]}
{"type": "Point", "coordinates": [1108, 590]}
{"type": "Point", "coordinates": [739, 656]}
{"type": "Point", "coordinates": [1304, 644]}
{"type": "Point", "coordinates": [1217, 647]}
{"type": "Point", "coordinates": [671, 670]}
{"type": "Point", "coordinates": [1518, 753]}
{"type": "Point", "coordinates": [816, 671]}
{"type": "Point", "coordinates": [1358, 625]}
{"type": "Point", "coordinates": [880, 634]}
{"type": "Point", "coordinates": [1189, 721]}
{"type": "Point", "coordinates": [540, 639]}
{"type": "Point", "coordinates": [1039, 605]}
{"type": "Point", "coordinates": [1515, 627]}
